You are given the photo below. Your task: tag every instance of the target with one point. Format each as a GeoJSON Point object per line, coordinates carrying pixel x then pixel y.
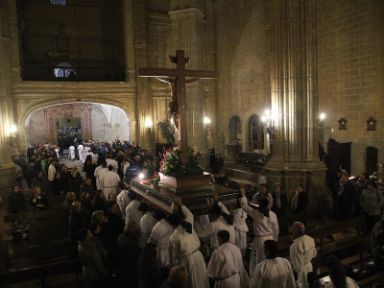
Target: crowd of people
{"type": "Point", "coordinates": [122, 240]}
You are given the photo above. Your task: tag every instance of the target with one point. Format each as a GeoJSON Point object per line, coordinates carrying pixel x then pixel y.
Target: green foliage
{"type": "Point", "coordinates": [172, 165]}
{"type": "Point", "coordinates": [167, 131]}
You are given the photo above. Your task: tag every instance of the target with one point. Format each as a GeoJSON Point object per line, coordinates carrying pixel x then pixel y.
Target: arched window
{"type": "Point", "coordinates": [234, 129]}
{"type": "Point", "coordinates": [256, 133]}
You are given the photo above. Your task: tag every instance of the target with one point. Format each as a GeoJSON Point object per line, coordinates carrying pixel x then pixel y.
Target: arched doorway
{"type": "Point", "coordinates": [234, 129]}
{"type": "Point", "coordinates": [62, 123]}
{"type": "Point", "coordinates": [256, 134]}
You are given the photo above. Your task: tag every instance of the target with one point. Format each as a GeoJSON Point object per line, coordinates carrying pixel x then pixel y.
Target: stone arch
{"type": "Point", "coordinates": [255, 133]}
{"type": "Point", "coordinates": [28, 110]}
{"type": "Point", "coordinates": [234, 128]}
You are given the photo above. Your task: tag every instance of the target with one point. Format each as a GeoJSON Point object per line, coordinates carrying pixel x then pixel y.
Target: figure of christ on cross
{"type": "Point", "coordinates": [181, 76]}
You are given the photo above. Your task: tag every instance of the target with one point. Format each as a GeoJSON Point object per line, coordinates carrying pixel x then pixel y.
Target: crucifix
{"type": "Point", "coordinates": [181, 76]}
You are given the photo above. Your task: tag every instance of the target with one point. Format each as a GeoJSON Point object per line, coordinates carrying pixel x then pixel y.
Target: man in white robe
{"type": "Point", "coordinates": [132, 212]}
{"type": "Point", "coordinates": [109, 180]}
{"type": "Point", "coordinates": [113, 163]}
{"type": "Point", "coordinates": [226, 264]}
{"type": "Point", "coordinates": [147, 222]}
{"type": "Point", "coordinates": [160, 235]}
{"type": "Point", "coordinates": [301, 253]}
{"type": "Point", "coordinates": [99, 171]}
{"type": "Point", "coordinates": [265, 227]}
{"type": "Point", "coordinates": [184, 250]}
{"type": "Point", "coordinates": [72, 154]}
{"type": "Point", "coordinates": [122, 199]}
{"type": "Point", "coordinates": [80, 152]}
{"type": "Point", "coordinates": [273, 272]}
{"type": "Point", "coordinates": [219, 223]}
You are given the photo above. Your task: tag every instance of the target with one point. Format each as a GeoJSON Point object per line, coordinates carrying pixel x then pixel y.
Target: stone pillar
{"type": "Point", "coordinates": [8, 142]}
{"type": "Point", "coordinates": [187, 22]}
{"type": "Point", "coordinates": [143, 91]}
{"type": "Point", "coordinates": [294, 98]}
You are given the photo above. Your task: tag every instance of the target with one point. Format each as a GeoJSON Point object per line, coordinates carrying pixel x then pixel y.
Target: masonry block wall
{"type": "Point", "coordinates": [350, 72]}
{"type": "Point", "coordinates": [243, 48]}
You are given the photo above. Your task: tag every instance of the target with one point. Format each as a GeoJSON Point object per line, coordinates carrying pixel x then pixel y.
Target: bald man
{"type": "Point", "coordinates": [301, 253]}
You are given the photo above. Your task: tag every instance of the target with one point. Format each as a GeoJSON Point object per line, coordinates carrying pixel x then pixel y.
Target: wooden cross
{"type": "Point", "coordinates": [180, 74]}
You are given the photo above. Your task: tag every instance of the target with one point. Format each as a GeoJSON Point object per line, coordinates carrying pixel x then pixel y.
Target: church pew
{"type": "Point", "coordinates": [30, 215]}
{"type": "Point", "coordinates": [40, 272]}
{"type": "Point", "coordinates": [50, 252]}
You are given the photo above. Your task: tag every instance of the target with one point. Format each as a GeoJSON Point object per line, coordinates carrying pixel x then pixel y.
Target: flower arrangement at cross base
{"type": "Point", "coordinates": [171, 165]}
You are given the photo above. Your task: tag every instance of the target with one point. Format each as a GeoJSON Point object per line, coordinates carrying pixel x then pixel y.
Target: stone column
{"type": "Point", "coordinates": [187, 22]}
{"type": "Point", "coordinates": [143, 91]}
{"type": "Point", "coordinates": [7, 141]}
{"type": "Point", "coordinates": [294, 98]}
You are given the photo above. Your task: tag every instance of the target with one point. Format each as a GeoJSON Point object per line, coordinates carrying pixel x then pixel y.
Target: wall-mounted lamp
{"type": "Point", "coordinates": [10, 131]}
{"type": "Point", "coordinates": [269, 118]}
{"type": "Point", "coordinates": [148, 123]}
{"type": "Point", "coordinates": [207, 120]}
{"type": "Point", "coordinates": [322, 116]}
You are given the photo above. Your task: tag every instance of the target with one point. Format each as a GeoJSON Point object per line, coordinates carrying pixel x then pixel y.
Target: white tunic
{"type": "Point", "coordinates": [113, 163]}
{"type": "Point", "coordinates": [241, 229]}
{"type": "Point", "coordinates": [226, 267]}
{"type": "Point", "coordinates": [98, 172]}
{"type": "Point", "coordinates": [109, 181]}
{"type": "Point", "coordinates": [160, 235]}
{"type": "Point", "coordinates": [184, 251]}
{"type": "Point", "coordinates": [80, 150]}
{"type": "Point", "coordinates": [301, 252]}
{"type": "Point", "coordinates": [273, 273]}
{"type": "Point", "coordinates": [123, 200]}
{"type": "Point", "coordinates": [350, 284]}
{"type": "Point", "coordinates": [132, 212]}
{"type": "Point", "coordinates": [147, 222]}
{"type": "Point", "coordinates": [210, 230]}
{"type": "Point", "coordinates": [72, 154]}
{"type": "Point", "coordinates": [264, 228]}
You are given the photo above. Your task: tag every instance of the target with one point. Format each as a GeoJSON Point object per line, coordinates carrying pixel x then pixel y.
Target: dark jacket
{"type": "Point", "coordinates": [39, 202]}
{"type": "Point", "coordinates": [93, 258]}
{"type": "Point", "coordinates": [128, 252]}
{"type": "Point", "coordinates": [302, 203]}
{"type": "Point", "coordinates": [344, 199]}
{"type": "Point", "coordinates": [16, 202]}
{"type": "Point", "coordinates": [283, 209]}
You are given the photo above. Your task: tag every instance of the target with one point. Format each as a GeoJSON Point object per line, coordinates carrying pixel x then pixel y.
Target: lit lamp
{"type": "Point", "coordinates": [148, 123]}
{"type": "Point", "coordinates": [268, 119]}
{"type": "Point", "coordinates": [207, 120]}
{"type": "Point", "coordinates": [11, 131]}
{"type": "Point", "coordinates": [322, 117]}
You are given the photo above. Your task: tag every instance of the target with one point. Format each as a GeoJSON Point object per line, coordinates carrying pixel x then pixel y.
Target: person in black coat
{"type": "Point", "coordinates": [299, 200]}
{"type": "Point", "coordinates": [16, 200]}
{"type": "Point", "coordinates": [75, 223]}
{"type": "Point", "coordinates": [39, 200]}
{"type": "Point", "coordinates": [127, 256]}
{"type": "Point", "coordinates": [280, 201]}
{"type": "Point", "coordinates": [344, 198]}
{"type": "Point", "coordinates": [148, 270]}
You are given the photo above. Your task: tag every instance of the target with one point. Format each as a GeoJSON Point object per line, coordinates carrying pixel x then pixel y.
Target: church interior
{"type": "Point", "coordinates": [193, 104]}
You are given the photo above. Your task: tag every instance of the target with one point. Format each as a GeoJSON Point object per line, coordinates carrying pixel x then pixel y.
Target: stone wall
{"type": "Point", "coordinates": [243, 48]}
{"type": "Point", "coordinates": [350, 73]}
